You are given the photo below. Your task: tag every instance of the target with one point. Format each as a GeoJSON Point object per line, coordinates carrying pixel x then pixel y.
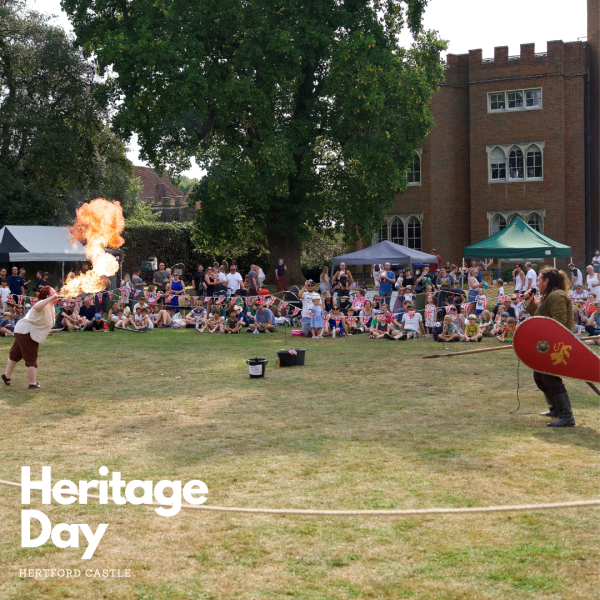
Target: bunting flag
{"type": "Point", "coordinates": [503, 299]}
{"type": "Point", "coordinates": [464, 307]}
{"type": "Point", "coordinates": [207, 299]}
{"type": "Point", "coordinates": [99, 296]}
{"type": "Point", "coordinates": [351, 321]}
{"type": "Point", "coordinates": [283, 305]}
{"type": "Point", "coordinates": [110, 294]}
{"type": "Point", "coordinates": [411, 314]}
{"type": "Point", "coordinates": [77, 301]}
{"type": "Point", "coordinates": [296, 311]}
{"type": "Point", "coordinates": [448, 308]}
{"type": "Point", "coordinates": [537, 299]}
{"type": "Point", "coordinates": [136, 294]}
{"type": "Point", "coordinates": [588, 307]}
{"type": "Point", "coordinates": [337, 321]}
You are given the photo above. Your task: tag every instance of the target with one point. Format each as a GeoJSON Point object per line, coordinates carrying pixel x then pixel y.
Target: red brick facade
{"type": "Point", "coordinates": [458, 199]}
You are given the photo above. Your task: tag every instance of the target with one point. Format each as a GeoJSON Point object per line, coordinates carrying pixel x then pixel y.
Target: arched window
{"type": "Point", "coordinates": [414, 170]}
{"type": "Point", "coordinates": [498, 165]}
{"type": "Point", "coordinates": [498, 224]}
{"type": "Point", "coordinates": [397, 231]}
{"type": "Point", "coordinates": [383, 232]}
{"type": "Point", "coordinates": [515, 163]}
{"type": "Point", "coordinates": [534, 163]}
{"type": "Point", "coordinates": [414, 233]}
{"type": "Point", "coordinates": [534, 221]}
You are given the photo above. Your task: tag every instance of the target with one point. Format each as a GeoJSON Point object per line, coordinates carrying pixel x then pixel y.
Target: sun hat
{"type": "Point", "coordinates": [473, 317]}
{"type": "Point", "coordinates": [505, 314]}
{"type": "Point", "coordinates": [97, 316]}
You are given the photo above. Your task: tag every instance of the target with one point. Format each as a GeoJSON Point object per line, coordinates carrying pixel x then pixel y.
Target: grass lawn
{"type": "Point", "coordinates": [365, 424]}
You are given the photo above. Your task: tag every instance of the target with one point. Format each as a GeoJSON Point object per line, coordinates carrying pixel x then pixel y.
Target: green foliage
{"type": "Point", "coordinates": [55, 148]}
{"type": "Point", "coordinates": [172, 243]}
{"type": "Point", "coordinates": [185, 183]}
{"type": "Point", "coordinates": [304, 115]}
{"type": "Point", "coordinates": [320, 247]}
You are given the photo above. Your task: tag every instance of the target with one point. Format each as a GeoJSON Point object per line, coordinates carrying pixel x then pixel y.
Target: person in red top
{"type": "Point", "coordinates": [433, 267]}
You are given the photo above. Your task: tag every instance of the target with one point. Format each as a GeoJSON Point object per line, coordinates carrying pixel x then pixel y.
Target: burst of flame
{"type": "Point", "coordinates": [100, 224]}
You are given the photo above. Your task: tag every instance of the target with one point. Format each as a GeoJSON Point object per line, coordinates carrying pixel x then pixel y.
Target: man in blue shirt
{"type": "Point", "coordinates": [16, 283]}
{"type": "Point", "coordinates": [264, 320]}
{"type": "Point", "coordinates": [386, 281]}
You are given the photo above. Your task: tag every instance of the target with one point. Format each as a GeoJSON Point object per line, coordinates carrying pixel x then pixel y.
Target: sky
{"type": "Point", "coordinates": [465, 24]}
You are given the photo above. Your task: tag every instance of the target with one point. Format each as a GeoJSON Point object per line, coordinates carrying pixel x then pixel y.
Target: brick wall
{"type": "Point", "coordinates": [456, 195]}
{"type": "Point", "coordinates": [593, 45]}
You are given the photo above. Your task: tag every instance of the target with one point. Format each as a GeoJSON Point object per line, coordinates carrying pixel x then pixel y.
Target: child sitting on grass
{"type": "Point", "coordinates": [509, 331]}
{"type": "Point", "coordinates": [215, 322]}
{"type": "Point", "coordinates": [380, 327]}
{"type": "Point", "coordinates": [472, 333]}
{"type": "Point", "coordinates": [500, 323]}
{"type": "Point", "coordinates": [450, 332]}
{"type": "Point", "coordinates": [232, 325]}
{"type": "Point", "coordinates": [486, 323]}
{"type": "Point", "coordinates": [351, 322]}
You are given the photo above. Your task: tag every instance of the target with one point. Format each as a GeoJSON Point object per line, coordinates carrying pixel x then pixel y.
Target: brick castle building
{"type": "Point", "coordinates": [513, 135]}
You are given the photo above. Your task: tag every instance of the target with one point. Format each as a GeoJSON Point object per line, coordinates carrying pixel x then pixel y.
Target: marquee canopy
{"type": "Point", "coordinates": [518, 240]}
{"type": "Point", "coordinates": [385, 252]}
{"type": "Point", "coordinates": [27, 243]}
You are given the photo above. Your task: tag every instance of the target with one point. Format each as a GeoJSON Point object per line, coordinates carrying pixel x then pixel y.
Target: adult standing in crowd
{"type": "Point", "coordinates": [519, 278]}
{"type": "Point", "coordinates": [593, 281]}
{"type": "Point", "coordinates": [576, 276]}
{"type": "Point", "coordinates": [433, 267]}
{"type": "Point", "coordinates": [423, 280]}
{"type": "Point", "coordinates": [254, 285]}
{"type": "Point", "coordinates": [198, 281]}
{"type": "Point", "coordinates": [387, 280]}
{"type": "Point", "coordinates": [494, 264]}
{"type": "Point", "coordinates": [596, 261]}
{"type": "Point", "coordinates": [137, 281]}
{"type": "Point", "coordinates": [407, 278]}
{"type": "Point", "coordinates": [324, 283]}
{"type": "Point", "coordinates": [261, 276]}
{"type": "Point", "coordinates": [31, 331]}
{"type": "Point", "coordinates": [234, 280]}
{"type": "Point", "coordinates": [280, 270]}
{"type": "Point", "coordinates": [177, 290]}
{"type": "Point", "coordinates": [375, 270]}
{"type": "Point", "coordinates": [307, 294]}
{"type": "Point", "coordinates": [16, 284]}
{"type": "Point", "coordinates": [530, 277]}
{"type": "Point", "coordinates": [342, 281]}
{"type": "Point", "coordinates": [556, 304]}
{"type": "Point", "coordinates": [474, 287]}
{"type": "Point", "coordinates": [210, 284]}
{"type": "Point", "coordinates": [161, 279]}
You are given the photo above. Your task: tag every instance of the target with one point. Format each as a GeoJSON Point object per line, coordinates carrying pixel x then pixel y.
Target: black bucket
{"type": "Point", "coordinates": [300, 356]}
{"type": "Point", "coordinates": [286, 359]}
{"type": "Point", "coordinates": [256, 367]}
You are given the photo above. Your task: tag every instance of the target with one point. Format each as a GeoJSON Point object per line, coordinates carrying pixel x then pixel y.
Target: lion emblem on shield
{"type": "Point", "coordinates": [561, 353]}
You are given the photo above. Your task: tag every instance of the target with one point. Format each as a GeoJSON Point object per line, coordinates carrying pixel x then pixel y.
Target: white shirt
{"type": "Point", "coordinates": [233, 281]}
{"type": "Point", "coordinates": [583, 294]}
{"type": "Point", "coordinates": [222, 276]}
{"type": "Point", "coordinates": [4, 294]}
{"type": "Point", "coordinates": [308, 303]}
{"type": "Point", "coordinates": [593, 283]}
{"type": "Point", "coordinates": [37, 323]}
{"type": "Point", "coordinates": [261, 273]}
{"type": "Point", "coordinates": [579, 279]}
{"type": "Point", "coordinates": [596, 260]}
{"type": "Point", "coordinates": [530, 279]}
{"type": "Point", "coordinates": [412, 323]}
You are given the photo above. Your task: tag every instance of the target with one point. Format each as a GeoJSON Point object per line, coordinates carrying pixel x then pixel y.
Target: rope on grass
{"type": "Point", "coordinates": [374, 513]}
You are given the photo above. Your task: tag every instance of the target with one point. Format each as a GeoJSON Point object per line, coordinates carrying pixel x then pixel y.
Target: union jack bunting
{"type": "Point", "coordinates": [464, 307]}
{"type": "Point", "coordinates": [503, 299]}
{"type": "Point", "coordinates": [207, 299]}
{"type": "Point", "coordinates": [296, 311]}
{"type": "Point", "coordinates": [351, 321]}
{"type": "Point", "coordinates": [283, 305]}
{"type": "Point", "coordinates": [448, 309]}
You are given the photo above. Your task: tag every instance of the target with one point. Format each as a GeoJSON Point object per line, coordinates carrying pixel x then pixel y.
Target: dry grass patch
{"type": "Point", "coordinates": [365, 424]}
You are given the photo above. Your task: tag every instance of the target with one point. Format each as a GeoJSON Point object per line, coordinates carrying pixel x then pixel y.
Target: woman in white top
{"type": "Point", "coordinates": [519, 278]}
{"type": "Point", "coordinates": [593, 281]}
{"type": "Point", "coordinates": [375, 274]}
{"type": "Point", "coordinates": [31, 331]}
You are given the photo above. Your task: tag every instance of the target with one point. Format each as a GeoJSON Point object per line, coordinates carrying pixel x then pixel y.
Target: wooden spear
{"type": "Point", "coordinates": [470, 351]}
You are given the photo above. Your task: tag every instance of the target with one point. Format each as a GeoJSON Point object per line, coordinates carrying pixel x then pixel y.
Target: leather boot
{"type": "Point", "coordinates": [563, 405]}
{"type": "Point", "coordinates": [552, 412]}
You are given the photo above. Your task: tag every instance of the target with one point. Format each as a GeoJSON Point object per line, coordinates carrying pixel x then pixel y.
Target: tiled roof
{"type": "Point", "coordinates": [149, 181]}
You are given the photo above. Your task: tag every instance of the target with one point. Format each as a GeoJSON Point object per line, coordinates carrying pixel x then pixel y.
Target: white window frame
{"type": "Point", "coordinates": [525, 158]}
{"type": "Point", "coordinates": [419, 153]}
{"type": "Point", "coordinates": [509, 216]}
{"type": "Point", "coordinates": [404, 218]}
{"type": "Point", "coordinates": [506, 148]}
{"type": "Point", "coordinates": [490, 163]}
{"type": "Point", "coordinates": [506, 92]}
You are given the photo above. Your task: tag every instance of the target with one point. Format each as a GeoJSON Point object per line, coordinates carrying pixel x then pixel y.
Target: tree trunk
{"type": "Point", "coordinates": [286, 247]}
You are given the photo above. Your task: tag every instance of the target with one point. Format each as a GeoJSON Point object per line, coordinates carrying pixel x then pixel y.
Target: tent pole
{"type": "Point", "coordinates": [555, 262]}
{"type": "Point", "coordinates": [63, 273]}
{"type": "Point", "coordinates": [364, 283]}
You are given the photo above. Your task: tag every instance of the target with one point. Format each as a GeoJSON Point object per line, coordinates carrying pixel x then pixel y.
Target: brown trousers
{"type": "Point", "coordinates": [24, 348]}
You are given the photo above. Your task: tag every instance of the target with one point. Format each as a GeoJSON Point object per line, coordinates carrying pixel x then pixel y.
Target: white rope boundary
{"type": "Point", "coordinates": [374, 513]}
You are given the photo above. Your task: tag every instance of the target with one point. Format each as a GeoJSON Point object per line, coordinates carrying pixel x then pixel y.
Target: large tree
{"type": "Point", "coordinates": [56, 149]}
{"type": "Point", "coordinates": [304, 114]}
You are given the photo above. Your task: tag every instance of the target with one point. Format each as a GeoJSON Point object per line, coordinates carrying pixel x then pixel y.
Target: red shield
{"type": "Point", "coordinates": [545, 345]}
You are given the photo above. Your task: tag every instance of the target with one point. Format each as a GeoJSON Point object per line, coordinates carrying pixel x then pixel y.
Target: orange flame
{"type": "Point", "coordinates": [99, 223]}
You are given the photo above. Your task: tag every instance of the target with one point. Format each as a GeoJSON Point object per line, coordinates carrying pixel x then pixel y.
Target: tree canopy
{"type": "Point", "coordinates": [56, 149]}
{"type": "Point", "coordinates": [304, 115]}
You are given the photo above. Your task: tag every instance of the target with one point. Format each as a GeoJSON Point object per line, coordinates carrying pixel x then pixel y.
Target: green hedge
{"type": "Point", "coordinates": [171, 243]}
